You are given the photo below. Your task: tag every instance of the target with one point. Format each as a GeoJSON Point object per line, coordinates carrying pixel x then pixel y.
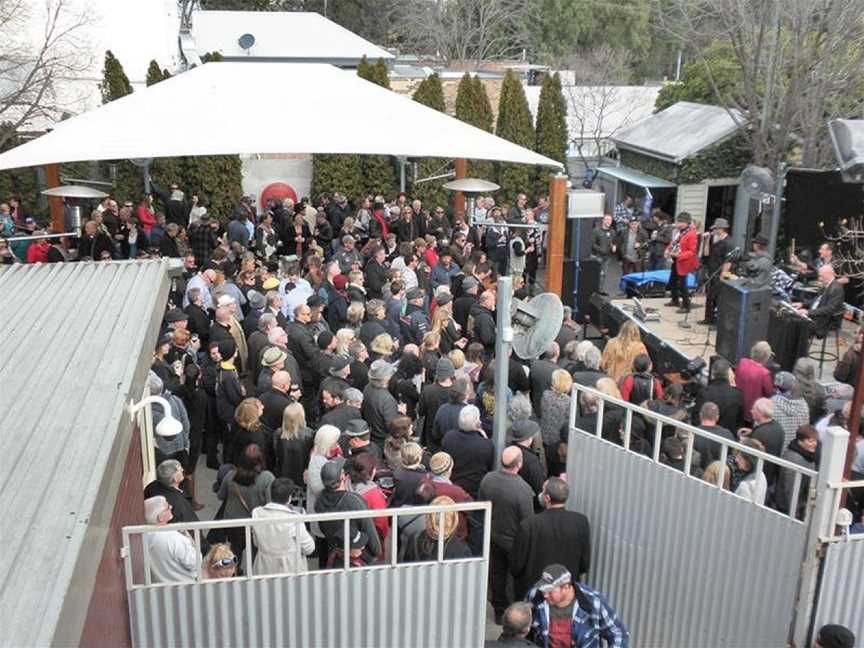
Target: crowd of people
{"type": "Point", "coordinates": [331, 357]}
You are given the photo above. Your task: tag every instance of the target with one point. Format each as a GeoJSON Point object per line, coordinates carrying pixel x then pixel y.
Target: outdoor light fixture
{"type": "Point", "coordinates": [168, 426]}
{"type": "Point", "coordinates": [471, 187]}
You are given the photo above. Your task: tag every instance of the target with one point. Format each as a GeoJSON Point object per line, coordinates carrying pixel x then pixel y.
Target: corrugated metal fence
{"type": "Point", "coordinates": [841, 590]}
{"type": "Point", "coordinates": [683, 562]}
{"type": "Point", "coordinates": [436, 603]}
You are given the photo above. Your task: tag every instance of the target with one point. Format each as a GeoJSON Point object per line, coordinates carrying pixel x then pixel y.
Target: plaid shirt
{"type": "Point", "coordinates": [594, 621]}
{"type": "Point", "coordinates": [202, 240]}
{"type": "Point", "coordinates": [791, 414]}
{"type": "Point", "coordinates": [622, 215]}
{"type": "Point", "coordinates": [781, 283]}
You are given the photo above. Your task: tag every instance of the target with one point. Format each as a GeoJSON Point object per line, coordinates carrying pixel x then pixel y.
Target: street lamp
{"type": "Point", "coordinates": [168, 426]}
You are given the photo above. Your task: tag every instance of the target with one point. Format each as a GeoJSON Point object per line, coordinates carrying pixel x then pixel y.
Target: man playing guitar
{"type": "Point", "coordinates": [685, 259]}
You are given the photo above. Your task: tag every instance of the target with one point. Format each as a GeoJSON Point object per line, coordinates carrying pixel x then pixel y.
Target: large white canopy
{"type": "Point", "coordinates": [226, 108]}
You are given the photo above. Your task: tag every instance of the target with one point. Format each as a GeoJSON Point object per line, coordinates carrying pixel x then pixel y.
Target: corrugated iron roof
{"type": "Point", "coordinates": [75, 338]}
{"type": "Point", "coordinates": [680, 131]}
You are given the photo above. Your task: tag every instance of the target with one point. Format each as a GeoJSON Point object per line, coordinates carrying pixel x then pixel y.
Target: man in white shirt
{"type": "Point", "coordinates": [282, 547]}
{"type": "Point", "coordinates": [173, 557]}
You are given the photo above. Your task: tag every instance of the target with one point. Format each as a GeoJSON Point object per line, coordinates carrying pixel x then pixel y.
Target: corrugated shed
{"type": "Point", "coordinates": [683, 563]}
{"type": "Point", "coordinates": [678, 132]}
{"type": "Point", "coordinates": [430, 605]}
{"type": "Point", "coordinates": [841, 591]}
{"type": "Point", "coordinates": [77, 340]}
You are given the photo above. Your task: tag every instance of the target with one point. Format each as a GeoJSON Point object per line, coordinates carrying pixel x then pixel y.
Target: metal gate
{"type": "Point", "coordinates": [684, 562]}
{"type": "Point", "coordinates": [438, 603]}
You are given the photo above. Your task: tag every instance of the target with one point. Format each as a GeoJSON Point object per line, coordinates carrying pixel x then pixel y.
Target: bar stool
{"type": "Point", "coordinates": [823, 354]}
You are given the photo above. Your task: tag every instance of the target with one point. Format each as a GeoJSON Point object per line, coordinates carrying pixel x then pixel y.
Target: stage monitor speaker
{"type": "Point", "coordinates": [589, 283]}
{"type": "Point", "coordinates": [742, 319]}
{"type": "Point", "coordinates": [579, 231]}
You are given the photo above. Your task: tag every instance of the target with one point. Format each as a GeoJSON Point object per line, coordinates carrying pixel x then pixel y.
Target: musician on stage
{"type": "Point", "coordinates": [808, 270]}
{"type": "Point", "coordinates": [718, 265]}
{"type": "Point", "coordinates": [685, 259]}
{"type": "Point", "coordinates": [828, 304]}
{"type": "Point", "coordinates": [760, 266]}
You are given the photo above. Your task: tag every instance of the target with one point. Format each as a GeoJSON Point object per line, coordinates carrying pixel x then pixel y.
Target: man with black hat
{"type": "Point", "coordinates": [445, 270]}
{"type": "Point", "coordinates": [685, 259]}
{"type": "Point", "coordinates": [337, 498]}
{"type": "Point", "coordinates": [175, 320]}
{"type": "Point", "coordinates": [567, 613]}
{"type": "Point", "coordinates": [760, 265]}
{"type": "Point", "coordinates": [359, 441]}
{"type": "Point", "coordinates": [718, 266]}
{"type": "Point", "coordinates": [554, 534]}
{"type": "Point", "coordinates": [523, 432]}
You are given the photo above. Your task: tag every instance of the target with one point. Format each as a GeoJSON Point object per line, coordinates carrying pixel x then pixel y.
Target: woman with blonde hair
{"type": "Point", "coordinates": [356, 311]}
{"type": "Point", "coordinates": [621, 350]}
{"type": "Point", "coordinates": [344, 338]}
{"type": "Point", "coordinates": [325, 448]}
{"type": "Point", "coordinates": [382, 348]}
{"type": "Point", "coordinates": [425, 545]}
{"type": "Point", "coordinates": [294, 444]}
{"type": "Point", "coordinates": [430, 353]}
{"type": "Point", "coordinates": [220, 562]}
{"type": "Point", "coordinates": [248, 428]}
{"type": "Point", "coordinates": [554, 414]}
{"type": "Point", "coordinates": [712, 474]}
{"type": "Point", "coordinates": [445, 326]}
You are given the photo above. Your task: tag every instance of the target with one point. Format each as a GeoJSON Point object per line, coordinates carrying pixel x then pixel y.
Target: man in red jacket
{"type": "Point", "coordinates": [685, 259]}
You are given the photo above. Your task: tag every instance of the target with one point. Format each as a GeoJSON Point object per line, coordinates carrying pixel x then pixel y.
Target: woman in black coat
{"type": "Point", "coordinates": [248, 429]}
{"type": "Point", "coordinates": [293, 444]}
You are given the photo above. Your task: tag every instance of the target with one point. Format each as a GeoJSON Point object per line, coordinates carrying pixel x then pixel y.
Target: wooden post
{"type": "Point", "coordinates": [461, 165]}
{"type": "Point", "coordinates": [557, 233]}
{"type": "Point", "coordinates": [55, 203]}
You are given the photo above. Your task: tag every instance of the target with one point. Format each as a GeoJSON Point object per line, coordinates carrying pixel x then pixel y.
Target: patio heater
{"type": "Point", "coordinates": [471, 187]}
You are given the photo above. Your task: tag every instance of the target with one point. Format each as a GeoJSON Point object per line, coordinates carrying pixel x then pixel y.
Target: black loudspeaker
{"type": "Point", "coordinates": [579, 232]}
{"type": "Point", "coordinates": [589, 283]}
{"type": "Point", "coordinates": [742, 318]}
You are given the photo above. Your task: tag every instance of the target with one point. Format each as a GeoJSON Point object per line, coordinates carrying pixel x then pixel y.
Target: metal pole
{"type": "Point", "coordinates": [502, 362]}
{"type": "Point", "coordinates": [821, 522]}
{"type": "Point", "coordinates": [741, 219]}
{"type": "Point", "coordinates": [775, 211]}
{"type": "Point", "coordinates": [402, 162]}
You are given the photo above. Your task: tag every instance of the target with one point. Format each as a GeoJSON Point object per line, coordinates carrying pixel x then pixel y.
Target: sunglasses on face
{"type": "Point", "coordinates": [225, 562]}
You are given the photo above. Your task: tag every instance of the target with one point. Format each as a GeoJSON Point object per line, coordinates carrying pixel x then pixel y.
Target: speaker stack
{"type": "Point", "coordinates": [743, 314]}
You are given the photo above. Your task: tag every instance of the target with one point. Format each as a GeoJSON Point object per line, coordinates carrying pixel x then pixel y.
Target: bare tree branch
{"type": "Point", "coordinates": [31, 70]}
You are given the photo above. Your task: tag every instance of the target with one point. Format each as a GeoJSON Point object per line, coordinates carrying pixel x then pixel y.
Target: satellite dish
{"type": "Point", "coordinates": [75, 191]}
{"type": "Point", "coordinates": [536, 324]}
{"type": "Point", "coordinates": [471, 185]}
{"type": "Point", "coordinates": [246, 41]}
{"type": "Point", "coordinates": [757, 182]}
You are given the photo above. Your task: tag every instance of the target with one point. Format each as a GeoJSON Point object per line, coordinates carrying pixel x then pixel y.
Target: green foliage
{"type": "Point", "coordinates": [18, 182]}
{"type": "Point", "coordinates": [696, 81]}
{"type": "Point", "coordinates": [430, 93]}
{"type": "Point", "coordinates": [651, 166]}
{"type": "Point", "coordinates": [154, 73]}
{"type": "Point", "coordinates": [211, 57]}
{"type": "Point", "coordinates": [563, 28]}
{"type": "Point", "coordinates": [551, 128]}
{"type": "Point", "coordinates": [473, 107]}
{"type": "Point", "coordinates": [377, 172]}
{"type": "Point", "coordinates": [343, 173]}
{"type": "Point", "coordinates": [724, 160]}
{"type": "Point", "coordinates": [216, 177]}
{"type": "Point", "coordinates": [514, 124]}
{"type": "Point", "coordinates": [115, 83]}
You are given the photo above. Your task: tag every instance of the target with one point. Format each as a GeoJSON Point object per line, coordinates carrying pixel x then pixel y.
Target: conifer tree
{"type": "Point", "coordinates": [551, 130]}
{"type": "Point", "coordinates": [472, 107]}
{"type": "Point", "coordinates": [154, 73]}
{"type": "Point", "coordinates": [377, 171]}
{"type": "Point", "coordinates": [430, 93]}
{"type": "Point", "coordinates": [514, 124]}
{"type": "Point", "coordinates": [115, 83]}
